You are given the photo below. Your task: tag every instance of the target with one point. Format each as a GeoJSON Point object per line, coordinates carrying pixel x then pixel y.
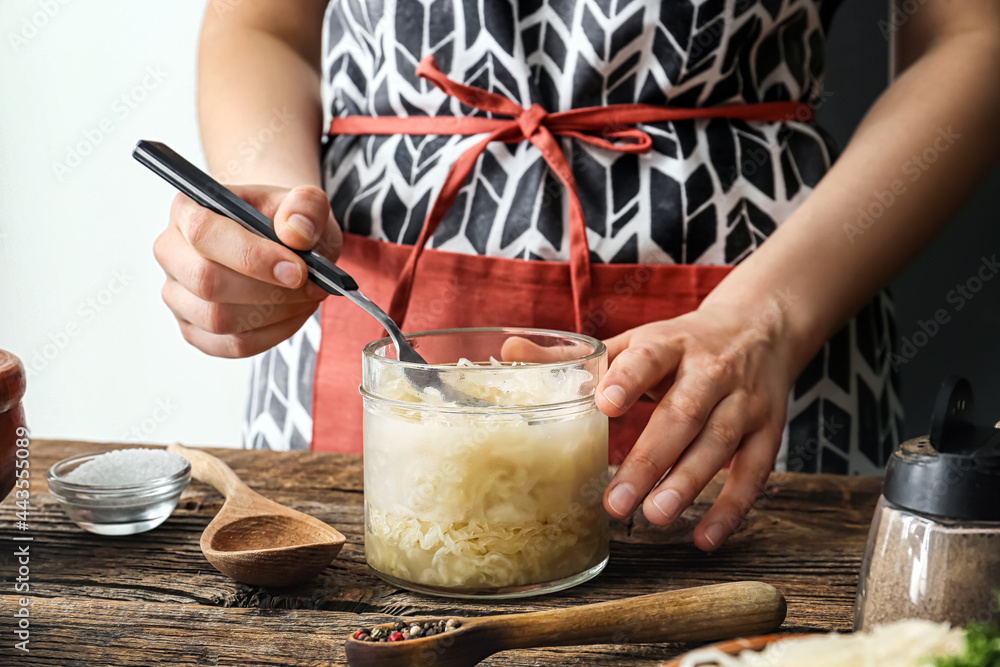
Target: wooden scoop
{"type": "Point", "coordinates": [256, 540]}
{"type": "Point", "coordinates": [705, 613]}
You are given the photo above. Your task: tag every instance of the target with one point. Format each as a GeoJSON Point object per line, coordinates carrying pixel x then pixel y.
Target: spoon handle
{"type": "Point", "coordinates": [206, 468]}
{"type": "Point", "coordinates": [704, 613]}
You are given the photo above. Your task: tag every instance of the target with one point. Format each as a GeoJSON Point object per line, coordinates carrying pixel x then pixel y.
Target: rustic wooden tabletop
{"type": "Point", "coordinates": [153, 599]}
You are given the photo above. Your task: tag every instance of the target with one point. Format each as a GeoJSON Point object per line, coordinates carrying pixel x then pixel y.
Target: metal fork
{"type": "Point", "coordinates": [202, 188]}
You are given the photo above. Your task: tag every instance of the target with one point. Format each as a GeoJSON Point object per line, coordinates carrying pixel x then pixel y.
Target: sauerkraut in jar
{"type": "Point", "coordinates": [486, 481]}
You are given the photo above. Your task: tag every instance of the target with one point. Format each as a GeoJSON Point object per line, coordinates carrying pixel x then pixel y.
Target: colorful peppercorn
{"type": "Point", "coordinates": [400, 631]}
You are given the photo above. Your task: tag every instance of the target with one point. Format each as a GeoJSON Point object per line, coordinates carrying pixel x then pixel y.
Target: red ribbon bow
{"type": "Point", "coordinates": [610, 127]}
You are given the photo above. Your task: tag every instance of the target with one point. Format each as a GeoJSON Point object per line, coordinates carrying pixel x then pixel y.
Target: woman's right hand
{"type": "Point", "coordinates": [234, 293]}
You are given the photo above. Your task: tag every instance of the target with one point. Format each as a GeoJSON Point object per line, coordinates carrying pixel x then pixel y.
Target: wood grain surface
{"type": "Point", "coordinates": [154, 599]}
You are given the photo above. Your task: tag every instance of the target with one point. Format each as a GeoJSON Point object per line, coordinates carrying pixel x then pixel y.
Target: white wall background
{"type": "Point", "coordinates": [80, 82]}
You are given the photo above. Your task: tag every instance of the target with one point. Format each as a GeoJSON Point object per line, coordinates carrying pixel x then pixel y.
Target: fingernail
{"type": "Point", "coordinates": [615, 394]}
{"type": "Point", "coordinates": [302, 226]}
{"type": "Point", "coordinates": [622, 498]}
{"type": "Point", "coordinates": [715, 534]}
{"type": "Point", "coordinates": [668, 502]}
{"type": "Point", "coordinates": [287, 274]}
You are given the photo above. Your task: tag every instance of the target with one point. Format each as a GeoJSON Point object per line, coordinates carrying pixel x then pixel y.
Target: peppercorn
{"type": "Point", "coordinates": [400, 630]}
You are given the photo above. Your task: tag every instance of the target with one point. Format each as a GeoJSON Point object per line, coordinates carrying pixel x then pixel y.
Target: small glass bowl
{"type": "Point", "coordinates": [116, 510]}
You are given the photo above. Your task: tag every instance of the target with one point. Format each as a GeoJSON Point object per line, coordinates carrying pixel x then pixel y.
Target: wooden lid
{"type": "Point", "coordinates": [12, 381]}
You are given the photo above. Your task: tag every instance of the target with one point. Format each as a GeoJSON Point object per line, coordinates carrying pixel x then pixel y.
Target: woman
{"type": "Point", "coordinates": [631, 221]}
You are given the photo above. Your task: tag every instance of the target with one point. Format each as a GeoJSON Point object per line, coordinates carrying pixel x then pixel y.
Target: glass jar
{"type": "Point", "coordinates": [499, 498]}
{"type": "Point", "coordinates": [934, 545]}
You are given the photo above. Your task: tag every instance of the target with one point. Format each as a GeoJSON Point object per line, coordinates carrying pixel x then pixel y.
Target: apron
{"type": "Point", "coordinates": [431, 289]}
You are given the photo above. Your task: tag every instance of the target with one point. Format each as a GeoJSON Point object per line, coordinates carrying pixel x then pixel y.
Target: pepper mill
{"type": "Point", "coordinates": [934, 546]}
{"type": "Point", "coordinates": [12, 385]}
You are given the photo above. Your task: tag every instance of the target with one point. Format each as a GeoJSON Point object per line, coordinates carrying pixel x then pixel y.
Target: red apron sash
{"type": "Point", "coordinates": [458, 290]}
{"type": "Point", "coordinates": [610, 127]}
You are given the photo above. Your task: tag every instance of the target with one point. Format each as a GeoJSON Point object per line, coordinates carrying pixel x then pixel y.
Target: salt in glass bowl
{"type": "Point", "coordinates": [116, 510]}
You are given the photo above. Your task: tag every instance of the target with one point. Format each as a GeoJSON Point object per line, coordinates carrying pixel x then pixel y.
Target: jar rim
{"type": "Point", "coordinates": [599, 349]}
{"type": "Point", "coordinates": [411, 406]}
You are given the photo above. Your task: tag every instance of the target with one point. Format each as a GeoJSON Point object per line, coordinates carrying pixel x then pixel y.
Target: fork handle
{"type": "Point", "coordinates": [202, 188]}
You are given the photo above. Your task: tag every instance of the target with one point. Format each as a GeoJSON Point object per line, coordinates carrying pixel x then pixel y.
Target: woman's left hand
{"type": "Point", "coordinates": [721, 379]}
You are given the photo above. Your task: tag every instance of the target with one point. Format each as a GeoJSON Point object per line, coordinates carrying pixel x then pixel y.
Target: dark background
{"type": "Point", "coordinates": [969, 344]}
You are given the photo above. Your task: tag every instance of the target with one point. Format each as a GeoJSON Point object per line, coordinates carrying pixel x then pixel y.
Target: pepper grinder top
{"type": "Point", "coordinates": [955, 471]}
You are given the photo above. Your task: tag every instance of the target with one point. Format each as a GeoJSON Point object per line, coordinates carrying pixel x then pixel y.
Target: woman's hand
{"type": "Point", "coordinates": [234, 293]}
{"type": "Point", "coordinates": [721, 379]}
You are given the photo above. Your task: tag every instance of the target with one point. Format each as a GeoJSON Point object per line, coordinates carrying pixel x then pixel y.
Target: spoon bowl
{"type": "Point", "coordinates": [255, 540]}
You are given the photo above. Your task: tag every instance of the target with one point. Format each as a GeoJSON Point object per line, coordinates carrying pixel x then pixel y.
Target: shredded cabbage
{"type": "Point", "coordinates": [485, 500]}
{"type": "Point", "coordinates": [906, 643]}
{"type": "Point", "coordinates": [475, 555]}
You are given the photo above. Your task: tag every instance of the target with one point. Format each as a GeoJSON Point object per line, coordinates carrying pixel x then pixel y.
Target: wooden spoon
{"type": "Point", "coordinates": [705, 613]}
{"type": "Point", "coordinates": [256, 540]}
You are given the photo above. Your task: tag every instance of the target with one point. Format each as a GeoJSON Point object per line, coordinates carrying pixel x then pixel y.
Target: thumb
{"type": "Point", "coordinates": [304, 220]}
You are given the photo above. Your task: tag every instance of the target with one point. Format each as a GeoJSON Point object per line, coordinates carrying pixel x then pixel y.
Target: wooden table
{"type": "Point", "coordinates": [152, 598]}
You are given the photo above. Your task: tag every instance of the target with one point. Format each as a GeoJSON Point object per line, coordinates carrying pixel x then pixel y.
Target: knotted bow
{"type": "Point", "coordinates": [611, 127]}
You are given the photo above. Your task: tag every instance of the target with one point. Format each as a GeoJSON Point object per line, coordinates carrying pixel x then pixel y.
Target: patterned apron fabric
{"type": "Point", "coordinates": [708, 193]}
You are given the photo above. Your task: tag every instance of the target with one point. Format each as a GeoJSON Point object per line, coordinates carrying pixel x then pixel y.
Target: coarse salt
{"type": "Point", "coordinates": [125, 467]}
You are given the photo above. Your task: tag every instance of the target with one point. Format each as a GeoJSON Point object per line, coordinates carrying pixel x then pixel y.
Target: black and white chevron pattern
{"type": "Point", "coordinates": [709, 192]}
